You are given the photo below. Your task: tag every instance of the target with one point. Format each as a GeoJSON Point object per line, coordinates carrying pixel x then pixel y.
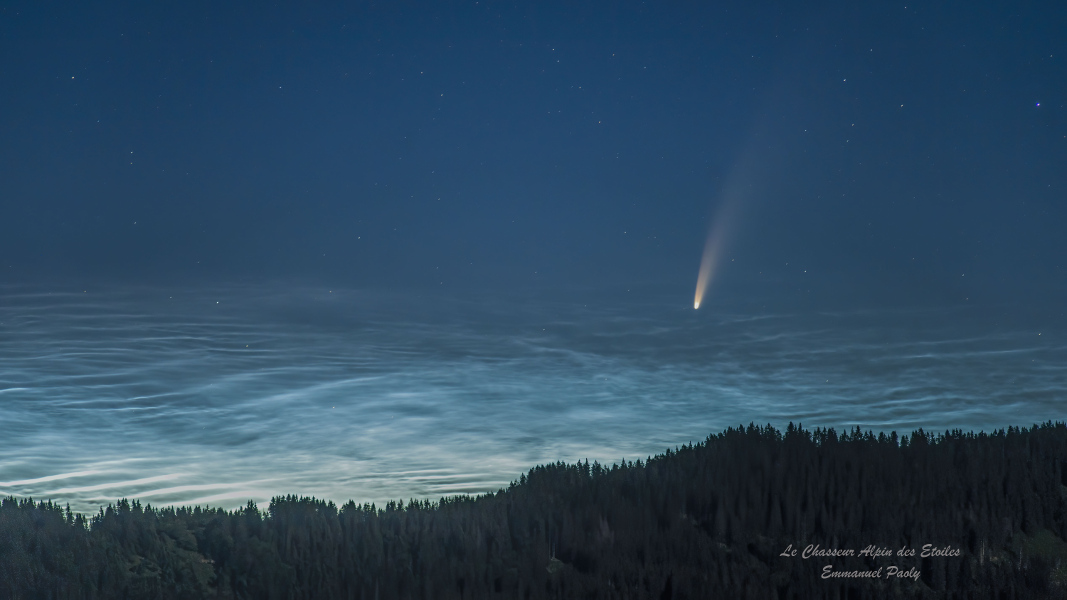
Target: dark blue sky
{"type": "Point", "coordinates": [880, 149]}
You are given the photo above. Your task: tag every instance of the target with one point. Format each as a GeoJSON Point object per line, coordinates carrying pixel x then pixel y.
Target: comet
{"type": "Point", "coordinates": [747, 181]}
{"type": "Point", "coordinates": [708, 262]}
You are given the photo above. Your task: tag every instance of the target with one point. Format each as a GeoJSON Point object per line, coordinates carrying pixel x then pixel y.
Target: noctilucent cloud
{"type": "Point", "coordinates": [380, 252]}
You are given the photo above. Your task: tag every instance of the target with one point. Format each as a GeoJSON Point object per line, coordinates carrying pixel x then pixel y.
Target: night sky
{"type": "Point", "coordinates": [486, 207]}
{"type": "Point", "coordinates": [473, 145]}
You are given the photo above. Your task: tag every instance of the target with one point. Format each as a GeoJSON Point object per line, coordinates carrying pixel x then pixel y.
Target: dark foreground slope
{"type": "Point", "coordinates": [706, 521]}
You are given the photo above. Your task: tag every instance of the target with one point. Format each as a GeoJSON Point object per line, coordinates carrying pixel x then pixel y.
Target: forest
{"type": "Point", "coordinates": [752, 512]}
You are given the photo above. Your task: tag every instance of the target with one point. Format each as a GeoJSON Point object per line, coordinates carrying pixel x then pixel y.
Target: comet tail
{"type": "Point", "coordinates": [708, 262]}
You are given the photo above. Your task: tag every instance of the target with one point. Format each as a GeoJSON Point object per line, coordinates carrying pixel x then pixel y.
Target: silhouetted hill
{"type": "Point", "coordinates": [713, 520]}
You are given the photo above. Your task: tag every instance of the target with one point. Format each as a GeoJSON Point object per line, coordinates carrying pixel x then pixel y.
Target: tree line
{"type": "Point", "coordinates": [707, 520]}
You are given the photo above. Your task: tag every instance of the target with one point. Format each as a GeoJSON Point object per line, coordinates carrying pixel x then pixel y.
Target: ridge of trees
{"type": "Point", "coordinates": [698, 521]}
